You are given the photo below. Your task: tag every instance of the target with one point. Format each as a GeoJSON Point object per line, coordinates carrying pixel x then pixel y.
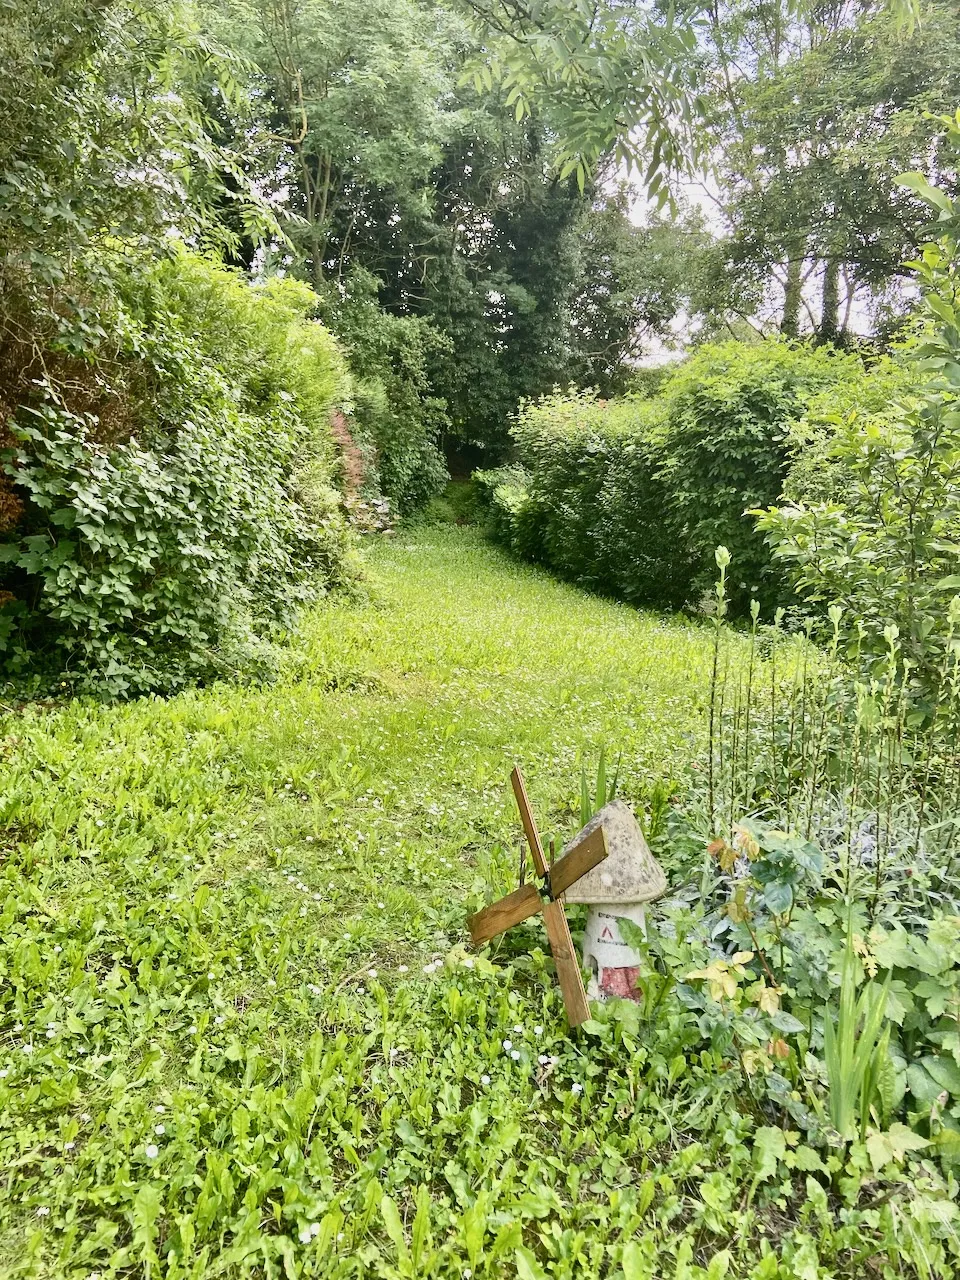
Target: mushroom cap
{"type": "Point", "coordinates": [629, 873]}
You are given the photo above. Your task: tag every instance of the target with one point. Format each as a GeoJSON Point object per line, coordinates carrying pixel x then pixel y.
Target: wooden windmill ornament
{"type": "Point", "coordinates": [547, 897]}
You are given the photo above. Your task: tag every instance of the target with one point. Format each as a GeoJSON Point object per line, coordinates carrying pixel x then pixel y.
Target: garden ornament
{"type": "Point", "coordinates": [583, 854]}
{"type": "Point", "coordinates": [618, 889]}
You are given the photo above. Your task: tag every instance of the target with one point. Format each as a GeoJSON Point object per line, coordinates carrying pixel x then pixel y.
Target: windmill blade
{"type": "Point", "coordinates": [567, 964]}
{"type": "Point", "coordinates": [583, 857]}
{"type": "Point", "coordinates": [511, 910]}
{"type": "Point", "coordinates": [529, 826]}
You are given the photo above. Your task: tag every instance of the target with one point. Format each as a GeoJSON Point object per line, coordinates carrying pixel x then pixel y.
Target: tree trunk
{"type": "Point", "coordinates": [790, 324]}
{"type": "Point", "coordinates": [829, 330]}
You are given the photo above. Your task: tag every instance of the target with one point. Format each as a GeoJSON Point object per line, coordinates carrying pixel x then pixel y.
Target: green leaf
{"type": "Point", "coordinates": [778, 895]}
{"type": "Point", "coordinates": [918, 183]}
{"type": "Point", "coordinates": [891, 1147]}
{"type": "Point", "coordinates": [527, 1266]}
{"type": "Point", "coordinates": [924, 1088]}
{"type": "Point", "coordinates": [786, 1023]}
{"type": "Point", "coordinates": [635, 1266]}
{"type": "Point", "coordinates": [769, 1148]}
{"type": "Point", "coordinates": [394, 1226]}
{"type": "Point", "coordinates": [944, 1072]}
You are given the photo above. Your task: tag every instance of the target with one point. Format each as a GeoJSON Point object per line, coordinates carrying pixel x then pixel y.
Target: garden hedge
{"type": "Point", "coordinates": [631, 497]}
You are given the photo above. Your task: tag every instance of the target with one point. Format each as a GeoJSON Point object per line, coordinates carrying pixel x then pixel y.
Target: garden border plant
{"type": "Point", "coordinates": [179, 545]}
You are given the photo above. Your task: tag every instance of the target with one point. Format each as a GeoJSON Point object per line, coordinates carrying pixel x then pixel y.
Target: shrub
{"type": "Point", "coordinates": [730, 414]}
{"type": "Point", "coordinates": [886, 545]}
{"type": "Point", "coordinates": [632, 496]}
{"type": "Point", "coordinates": [647, 381]}
{"type": "Point", "coordinates": [594, 510]}
{"type": "Point", "coordinates": [503, 496]}
{"type": "Point", "coordinates": [169, 538]}
{"type": "Point", "coordinates": [819, 471]}
{"type": "Point", "coordinates": [396, 417]}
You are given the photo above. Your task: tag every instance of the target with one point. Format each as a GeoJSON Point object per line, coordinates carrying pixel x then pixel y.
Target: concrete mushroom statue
{"type": "Point", "coordinates": [617, 889]}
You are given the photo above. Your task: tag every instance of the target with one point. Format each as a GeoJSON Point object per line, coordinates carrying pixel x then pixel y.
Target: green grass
{"type": "Point", "coordinates": [221, 922]}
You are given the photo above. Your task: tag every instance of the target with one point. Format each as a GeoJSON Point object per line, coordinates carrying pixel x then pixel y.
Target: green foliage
{"type": "Point", "coordinates": [104, 146]}
{"type": "Point", "coordinates": [594, 502]}
{"type": "Point", "coordinates": [886, 547]}
{"type": "Point", "coordinates": [924, 1003]}
{"type": "Point", "coordinates": [615, 80]}
{"type": "Point", "coordinates": [855, 1047]}
{"type": "Point", "coordinates": [358, 107]}
{"type": "Point", "coordinates": [857, 840]}
{"type": "Point", "coordinates": [458, 504]}
{"type": "Point", "coordinates": [632, 496]}
{"type": "Point", "coordinates": [726, 448]}
{"type": "Point", "coordinates": [603, 792]}
{"type": "Point", "coordinates": [817, 108]}
{"type": "Point", "coordinates": [170, 534]}
{"type": "Point", "coordinates": [395, 416]}
{"type": "Point", "coordinates": [610, 79]}
{"type": "Point", "coordinates": [871, 393]}
{"type": "Point", "coordinates": [784, 868]}
{"type": "Point", "coordinates": [506, 296]}
{"type": "Point", "coordinates": [512, 518]}
{"type": "Point", "coordinates": [634, 282]}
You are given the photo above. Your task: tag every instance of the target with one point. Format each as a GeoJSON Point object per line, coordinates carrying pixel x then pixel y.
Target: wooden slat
{"type": "Point", "coordinates": [511, 910]}
{"type": "Point", "coordinates": [529, 826]}
{"type": "Point", "coordinates": [568, 966]}
{"type": "Point", "coordinates": [583, 857]}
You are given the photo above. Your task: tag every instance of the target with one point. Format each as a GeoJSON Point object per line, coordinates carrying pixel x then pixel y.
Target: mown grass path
{"type": "Point", "coordinates": [220, 1053]}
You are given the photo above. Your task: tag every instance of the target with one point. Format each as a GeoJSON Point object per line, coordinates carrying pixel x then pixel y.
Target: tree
{"type": "Point", "coordinates": [357, 105]}
{"type": "Point", "coordinates": [506, 234]}
{"type": "Point", "coordinates": [611, 79]}
{"type": "Point", "coordinates": [634, 282]}
{"type": "Point", "coordinates": [105, 159]}
{"type": "Point", "coordinates": [816, 114]}
{"type": "Point", "coordinates": [616, 78]}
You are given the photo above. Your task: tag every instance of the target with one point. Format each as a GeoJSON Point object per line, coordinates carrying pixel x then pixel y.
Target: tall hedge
{"type": "Point", "coordinates": [171, 502]}
{"type": "Point", "coordinates": [730, 418]}
{"type": "Point", "coordinates": [632, 497]}
{"type": "Point", "coordinates": [592, 508]}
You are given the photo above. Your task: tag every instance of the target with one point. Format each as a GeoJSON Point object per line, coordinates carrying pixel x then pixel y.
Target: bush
{"type": "Point", "coordinates": [819, 471]}
{"type": "Point", "coordinates": [730, 415]}
{"type": "Point", "coordinates": [511, 516]}
{"type": "Point", "coordinates": [395, 416]}
{"type": "Point", "coordinates": [632, 497]}
{"type": "Point", "coordinates": [885, 545]}
{"type": "Point", "coordinates": [171, 514]}
{"type": "Point", "coordinates": [592, 508]}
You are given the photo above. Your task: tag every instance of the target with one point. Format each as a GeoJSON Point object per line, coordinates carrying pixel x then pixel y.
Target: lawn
{"type": "Point", "coordinates": [241, 1034]}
